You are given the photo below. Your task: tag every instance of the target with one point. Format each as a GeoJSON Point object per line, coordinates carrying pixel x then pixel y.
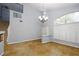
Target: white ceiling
{"type": "Point", "coordinates": [52, 6]}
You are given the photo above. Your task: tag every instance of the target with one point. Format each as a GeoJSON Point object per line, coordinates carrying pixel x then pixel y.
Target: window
{"type": "Point", "coordinates": [69, 18]}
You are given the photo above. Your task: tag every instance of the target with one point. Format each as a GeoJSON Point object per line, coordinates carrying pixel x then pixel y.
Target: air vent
{"type": "Point", "coordinates": [17, 15]}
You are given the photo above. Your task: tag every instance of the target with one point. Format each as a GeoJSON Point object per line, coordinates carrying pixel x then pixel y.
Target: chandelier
{"type": "Point", "coordinates": [43, 18]}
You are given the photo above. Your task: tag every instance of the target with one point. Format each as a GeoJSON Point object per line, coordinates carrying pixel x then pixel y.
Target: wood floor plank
{"type": "Point", "coordinates": [36, 48]}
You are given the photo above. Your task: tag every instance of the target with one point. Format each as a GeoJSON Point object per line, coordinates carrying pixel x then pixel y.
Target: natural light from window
{"type": "Point", "coordinates": [69, 18]}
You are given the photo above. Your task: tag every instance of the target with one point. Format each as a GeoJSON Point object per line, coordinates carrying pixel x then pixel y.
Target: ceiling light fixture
{"type": "Point", "coordinates": [43, 18]}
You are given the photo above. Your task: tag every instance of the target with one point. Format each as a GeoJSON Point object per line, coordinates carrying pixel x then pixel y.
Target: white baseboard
{"type": "Point", "coordinates": [46, 38]}
{"type": "Point", "coordinates": [52, 40]}
{"type": "Point", "coordinates": [23, 41]}
{"type": "Point", "coordinates": [72, 44]}
{"type": "Point", "coordinates": [45, 41]}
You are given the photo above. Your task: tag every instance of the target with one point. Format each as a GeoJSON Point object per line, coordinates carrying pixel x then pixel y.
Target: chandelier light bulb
{"type": "Point", "coordinates": [46, 18]}
{"type": "Point", "coordinates": [43, 18]}
{"type": "Point", "coordinates": [40, 18]}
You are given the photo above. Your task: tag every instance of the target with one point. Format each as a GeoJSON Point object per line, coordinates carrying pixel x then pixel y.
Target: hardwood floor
{"type": "Point", "coordinates": [36, 48]}
{"type": "Point", "coordinates": [3, 27]}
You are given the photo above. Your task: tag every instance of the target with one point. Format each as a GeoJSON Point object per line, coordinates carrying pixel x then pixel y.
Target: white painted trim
{"type": "Point", "coordinates": [46, 38]}
{"type": "Point", "coordinates": [73, 44]}
{"type": "Point", "coordinates": [45, 41]}
{"type": "Point", "coordinates": [24, 41]}
{"type": "Point", "coordinates": [51, 39]}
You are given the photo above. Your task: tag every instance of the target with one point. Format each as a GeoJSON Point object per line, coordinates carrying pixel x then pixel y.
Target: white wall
{"type": "Point", "coordinates": [28, 29]}
{"type": "Point", "coordinates": [67, 32]}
